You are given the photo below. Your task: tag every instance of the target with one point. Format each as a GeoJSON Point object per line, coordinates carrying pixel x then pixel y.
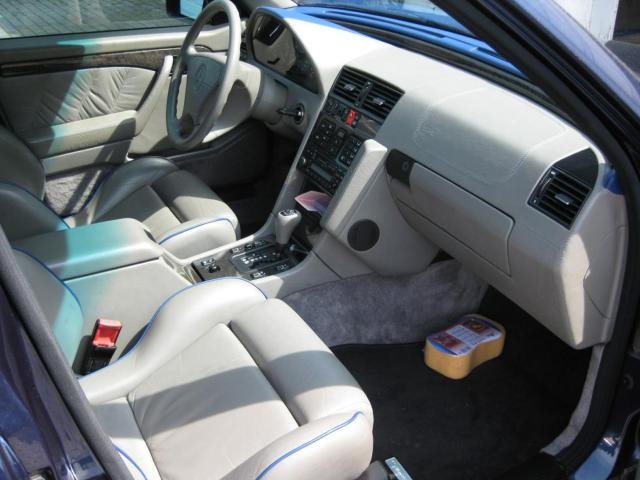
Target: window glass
{"type": "Point", "coordinates": [31, 18]}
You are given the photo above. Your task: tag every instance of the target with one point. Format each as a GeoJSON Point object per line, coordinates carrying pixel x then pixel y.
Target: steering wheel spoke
{"type": "Point", "coordinates": [209, 79]}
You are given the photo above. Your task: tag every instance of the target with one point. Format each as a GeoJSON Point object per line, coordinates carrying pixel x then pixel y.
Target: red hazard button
{"type": "Point", "coordinates": [351, 117]}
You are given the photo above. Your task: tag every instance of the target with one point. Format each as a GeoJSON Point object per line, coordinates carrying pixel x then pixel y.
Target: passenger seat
{"type": "Point", "coordinates": [224, 384]}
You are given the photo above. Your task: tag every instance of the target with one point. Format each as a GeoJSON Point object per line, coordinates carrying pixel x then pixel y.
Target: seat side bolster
{"type": "Point", "coordinates": [23, 215]}
{"type": "Point", "coordinates": [19, 165]}
{"type": "Point", "coordinates": [118, 421]}
{"type": "Point", "coordinates": [125, 180]}
{"type": "Point", "coordinates": [338, 447]}
{"type": "Point", "coordinates": [197, 236]}
{"type": "Point", "coordinates": [56, 298]}
{"type": "Point", "coordinates": [181, 319]}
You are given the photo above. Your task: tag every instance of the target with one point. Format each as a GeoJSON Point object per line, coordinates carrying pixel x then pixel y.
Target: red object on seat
{"type": "Point", "coordinates": [106, 333]}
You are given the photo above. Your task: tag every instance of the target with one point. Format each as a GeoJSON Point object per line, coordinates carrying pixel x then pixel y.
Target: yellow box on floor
{"type": "Point", "coordinates": [456, 351]}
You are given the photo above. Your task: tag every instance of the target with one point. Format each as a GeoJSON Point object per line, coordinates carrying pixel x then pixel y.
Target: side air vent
{"type": "Point", "coordinates": [380, 99]}
{"type": "Point", "coordinates": [243, 51]}
{"type": "Point", "coordinates": [350, 85]}
{"type": "Point", "coordinates": [244, 54]}
{"type": "Point", "coordinates": [560, 196]}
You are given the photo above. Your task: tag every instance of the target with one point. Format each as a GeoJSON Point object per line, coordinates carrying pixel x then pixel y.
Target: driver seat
{"type": "Point", "coordinates": [179, 210]}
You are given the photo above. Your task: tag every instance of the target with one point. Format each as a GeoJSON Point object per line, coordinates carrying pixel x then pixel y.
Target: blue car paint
{"type": "Point", "coordinates": [36, 429]}
{"type": "Point", "coordinates": [609, 74]}
{"type": "Point", "coordinates": [621, 427]}
{"type": "Point", "coordinates": [612, 182]}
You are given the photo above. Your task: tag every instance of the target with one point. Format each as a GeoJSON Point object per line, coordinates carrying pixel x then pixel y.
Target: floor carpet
{"type": "Point", "coordinates": [478, 427]}
{"type": "Point", "coordinates": [373, 309]}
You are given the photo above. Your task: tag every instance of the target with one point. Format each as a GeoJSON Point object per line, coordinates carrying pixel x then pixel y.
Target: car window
{"type": "Point", "coordinates": [32, 18]}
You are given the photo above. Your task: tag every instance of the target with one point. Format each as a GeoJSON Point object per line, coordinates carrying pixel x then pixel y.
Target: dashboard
{"type": "Point", "coordinates": [275, 46]}
{"type": "Point", "coordinates": [413, 146]}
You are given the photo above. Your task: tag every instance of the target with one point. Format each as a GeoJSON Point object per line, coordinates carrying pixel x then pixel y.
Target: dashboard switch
{"type": "Point", "coordinates": [351, 117]}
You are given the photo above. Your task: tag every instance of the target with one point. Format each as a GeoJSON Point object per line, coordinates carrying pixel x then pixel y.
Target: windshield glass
{"type": "Point", "coordinates": [418, 11]}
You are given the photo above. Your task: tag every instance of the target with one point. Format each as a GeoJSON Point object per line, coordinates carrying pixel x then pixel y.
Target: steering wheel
{"type": "Point", "coordinates": [210, 79]}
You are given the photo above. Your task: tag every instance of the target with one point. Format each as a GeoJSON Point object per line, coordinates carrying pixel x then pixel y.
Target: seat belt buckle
{"type": "Point", "coordinates": [103, 345]}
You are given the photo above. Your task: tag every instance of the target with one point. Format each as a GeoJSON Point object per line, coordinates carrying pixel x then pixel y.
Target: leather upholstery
{"type": "Point", "coordinates": [23, 215]}
{"type": "Point", "coordinates": [169, 201]}
{"type": "Point", "coordinates": [226, 384]}
{"type": "Point", "coordinates": [57, 302]}
{"type": "Point", "coordinates": [19, 166]}
{"type": "Point", "coordinates": [44, 100]}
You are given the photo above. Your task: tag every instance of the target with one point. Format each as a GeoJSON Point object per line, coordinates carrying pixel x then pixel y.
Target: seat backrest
{"type": "Point", "coordinates": [57, 301]}
{"type": "Point", "coordinates": [22, 209]}
{"type": "Point", "coordinates": [19, 166]}
{"type": "Point", "coordinates": [23, 215]}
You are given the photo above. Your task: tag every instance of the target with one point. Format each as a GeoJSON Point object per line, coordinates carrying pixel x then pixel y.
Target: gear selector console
{"type": "Point", "coordinates": [260, 258]}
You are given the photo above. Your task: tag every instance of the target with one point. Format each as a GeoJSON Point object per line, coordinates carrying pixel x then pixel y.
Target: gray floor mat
{"type": "Point", "coordinates": [372, 309]}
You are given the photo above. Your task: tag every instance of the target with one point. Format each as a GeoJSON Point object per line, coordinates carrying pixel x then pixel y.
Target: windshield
{"type": "Point", "coordinates": [418, 11]}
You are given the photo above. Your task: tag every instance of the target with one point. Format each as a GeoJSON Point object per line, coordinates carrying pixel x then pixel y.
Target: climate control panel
{"type": "Point", "coordinates": [332, 146]}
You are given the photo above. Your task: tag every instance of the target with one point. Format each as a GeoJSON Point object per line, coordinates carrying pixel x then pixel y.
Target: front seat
{"type": "Point", "coordinates": [224, 384]}
{"type": "Point", "coordinates": [173, 204]}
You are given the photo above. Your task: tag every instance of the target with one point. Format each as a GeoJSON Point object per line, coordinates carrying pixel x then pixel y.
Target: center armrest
{"type": "Point", "coordinates": [92, 248]}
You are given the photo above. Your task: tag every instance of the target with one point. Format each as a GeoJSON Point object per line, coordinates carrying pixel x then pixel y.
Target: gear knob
{"type": "Point", "coordinates": [286, 222]}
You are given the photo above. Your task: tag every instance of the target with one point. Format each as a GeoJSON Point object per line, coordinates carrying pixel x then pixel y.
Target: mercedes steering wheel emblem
{"type": "Point", "coordinates": [200, 76]}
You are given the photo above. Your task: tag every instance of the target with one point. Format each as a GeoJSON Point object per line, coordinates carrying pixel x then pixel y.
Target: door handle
{"type": "Point", "coordinates": [143, 114]}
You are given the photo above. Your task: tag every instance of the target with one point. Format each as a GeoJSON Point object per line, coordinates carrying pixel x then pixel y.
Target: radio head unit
{"type": "Point", "coordinates": [332, 145]}
{"type": "Point", "coordinates": [354, 111]}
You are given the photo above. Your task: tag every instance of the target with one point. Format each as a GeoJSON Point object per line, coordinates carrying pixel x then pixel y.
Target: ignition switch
{"type": "Point", "coordinates": [296, 112]}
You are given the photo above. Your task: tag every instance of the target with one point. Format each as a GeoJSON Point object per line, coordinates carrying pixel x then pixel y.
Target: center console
{"type": "Point", "coordinates": [253, 260]}
{"type": "Point", "coordinates": [259, 258]}
{"type": "Point", "coordinates": [344, 124]}
{"type": "Point", "coordinates": [354, 111]}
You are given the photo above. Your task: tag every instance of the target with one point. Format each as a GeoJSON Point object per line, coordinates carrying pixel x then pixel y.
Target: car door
{"type": "Point", "coordinates": [84, 83]}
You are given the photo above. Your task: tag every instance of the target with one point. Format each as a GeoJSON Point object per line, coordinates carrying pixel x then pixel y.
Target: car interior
{"type": "Point", "coordinates": [276, 209]}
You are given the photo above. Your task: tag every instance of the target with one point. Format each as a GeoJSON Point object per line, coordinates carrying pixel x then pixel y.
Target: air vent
{"type": "Point", "coordinates": [380, 99]}
{"type": "Point", "coordinates": [244, 54]}
{"type": "Point", "coordinates": [350, 85]}
{"type": "Point", "coordinates": [560, 196]}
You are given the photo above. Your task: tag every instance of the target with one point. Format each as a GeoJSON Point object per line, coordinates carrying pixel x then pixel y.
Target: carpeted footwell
{"type": "Point", "coordinates": [372, 309]}
{"type": "Point", "coordinates": [502, 414]}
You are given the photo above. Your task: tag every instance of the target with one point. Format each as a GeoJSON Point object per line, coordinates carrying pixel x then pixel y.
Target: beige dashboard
{"type": "Point", "coordinates": [479, 154]}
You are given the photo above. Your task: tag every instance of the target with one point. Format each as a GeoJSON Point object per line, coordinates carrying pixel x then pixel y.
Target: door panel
{"type": "Point", "coordinates": [64, 94]}
{"type": "Point", "coordinates": [66, 111]}
{"type": "Point", "coordinates": [80, 101]}
{"type": "Point", "coordinates": [63, 47]}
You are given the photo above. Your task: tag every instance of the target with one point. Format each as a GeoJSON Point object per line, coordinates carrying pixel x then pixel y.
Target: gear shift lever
{"type": "Point", "coordinates": [286, 222]}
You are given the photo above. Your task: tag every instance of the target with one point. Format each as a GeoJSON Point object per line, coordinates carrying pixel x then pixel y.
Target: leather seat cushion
{"type": "Point", "coordinates": [226, 384]}
{"type": "Point", "coordinates": [213, 392]}
{"type": "Point", "coordinates": [157, 193]}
